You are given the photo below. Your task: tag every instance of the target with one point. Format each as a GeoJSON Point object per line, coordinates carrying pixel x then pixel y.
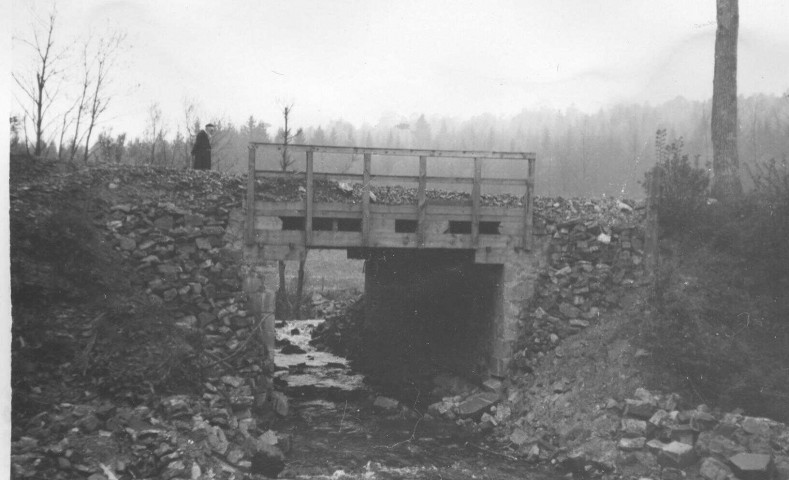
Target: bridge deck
{"type": "Point", "coordinates": [285, 229]}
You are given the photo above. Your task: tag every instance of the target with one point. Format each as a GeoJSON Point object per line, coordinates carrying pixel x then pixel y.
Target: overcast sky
{"type": "Point", "coordinates": [359, 60]}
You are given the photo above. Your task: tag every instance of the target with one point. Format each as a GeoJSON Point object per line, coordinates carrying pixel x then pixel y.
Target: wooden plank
{"type": "Point", "coordinates": [528, 210]}
{"type": "Point", "coordinates": [400, 151]}
{"type": "Point", "coordinates": [379, 223]}
{"type": "Point", "coordinates": [405, 212]}
{"type": "Point", "coordinates": [355, 177]}
{"type": "Point", "coordinates": [249, 232]}
{"type": "Point", "coordinates": [475, 201]}
{"type": "Point", "coordinates": [421, 203]}
{"type": "Point", "coordinates": [511, 227]}
{"type": "Point", "coordinates": [366, 200]}
{"type": "Point", "coordinates": [290, 252]}
{"type": "Point", "coordinates": [309, 202]}
{"type": "Point", "coordinates": [388, 239]}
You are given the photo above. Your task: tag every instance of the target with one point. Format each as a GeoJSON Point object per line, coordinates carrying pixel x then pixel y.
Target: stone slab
{"type": "Point", "coordinates": [476, 404]}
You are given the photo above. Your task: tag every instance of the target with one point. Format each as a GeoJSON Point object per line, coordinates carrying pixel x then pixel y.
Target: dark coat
{"type": "Point", "coordinates": [201, 151]}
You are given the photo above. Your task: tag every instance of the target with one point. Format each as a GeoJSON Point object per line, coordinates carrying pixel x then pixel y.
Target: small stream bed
{"type": "Point", "coordinates": [336, 432]}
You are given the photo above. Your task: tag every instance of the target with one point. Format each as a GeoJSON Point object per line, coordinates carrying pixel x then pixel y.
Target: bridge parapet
{"type": "Point", "coordinates": [285, 228]}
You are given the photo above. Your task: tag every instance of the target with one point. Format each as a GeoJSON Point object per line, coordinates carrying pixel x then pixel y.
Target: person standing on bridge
{"type": "Point", "coordinates": [201, 151]}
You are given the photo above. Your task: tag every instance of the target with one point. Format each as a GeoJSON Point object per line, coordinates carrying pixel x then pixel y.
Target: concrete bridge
{"type": "Point", "coordinates": [457, 272]}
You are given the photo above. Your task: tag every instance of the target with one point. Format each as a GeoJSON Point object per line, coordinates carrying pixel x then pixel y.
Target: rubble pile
{"type": "Point", "coordinates": [178, 437]}
{"type": "Point", "coordinates": [173, 233]}
{"type": "Point", "coordinates": [648, 434]}
{"type": "Point", "coordinates": [595, 252]}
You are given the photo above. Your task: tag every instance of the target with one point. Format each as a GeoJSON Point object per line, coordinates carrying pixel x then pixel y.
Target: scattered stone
{"type": "Point", "coordinates": [217, 440]}
{"type": "Point", "coordinates": [579, 323]}
{"type": "Point", "coordinates": [127, 243]}
{"type": "Point", "coordinates": [280, 403]}
{"type": "Point", "coordinates": [659, 418]}
{"type": "Point", "coordinates": [476, 404]}
{"type": "Point", "coordinates": [440, 409]}
{"type": "Point", "coordinates": [676, 455]}
{"type": "Point", "coordinates": [712, 443]}
{"type": "Point", "coordinates": [493, 385]}
{"type": "Point", "coordinates": [164, 223]}
{"type": "Point", "coordinates": [713, 469]}
{"type": "Point", "coordinates": [634, 428]}
{"type": "Point", "coordinates": [756, 426]}
{"type": "Point", "coordinates": [203, 243]}
{"type": "Point", "coordinates": [604, 239]}
{"type": "Point", "coordinates": [702, 421]}
{"type": "Point", "coordinates": [683, 433]}
{"type": "Point", "coordinates": [632, 444]}
{"type": "Point", "coordinates": [623, 206]}
{"type": "Point", "coordinates": [752, 466]}
{"type": "Point", "coordinates": [560, 386]}
{"type": "Point", "coordinates": [519, 437]}
{"type": "Point", "coordinates": [598, 452]}
{"type": "Point", "coordinates": [639, 409]}
{"type": "Point", "coordinates": [655, 446]}
{"type": "Point", "coordinates": [234, 382]}
{"type": "Point", "coordinates": [569, 311]}
{"type": "Point", "coordinates": [641, 353]}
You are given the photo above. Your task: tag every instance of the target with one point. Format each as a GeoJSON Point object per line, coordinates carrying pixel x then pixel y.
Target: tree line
{"type": "Point", "coordinates": [578, 154]}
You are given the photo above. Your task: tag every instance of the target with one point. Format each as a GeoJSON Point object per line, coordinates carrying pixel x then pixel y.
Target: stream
{"type": "Point", "coordinates": [336, 432]}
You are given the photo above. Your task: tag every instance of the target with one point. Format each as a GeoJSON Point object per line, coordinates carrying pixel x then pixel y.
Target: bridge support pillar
{"type": "Point", "coordinates": [514, 289]}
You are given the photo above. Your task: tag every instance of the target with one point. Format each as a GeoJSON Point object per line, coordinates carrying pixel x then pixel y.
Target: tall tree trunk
{"type": "Point", "coordinates": [725, 162]}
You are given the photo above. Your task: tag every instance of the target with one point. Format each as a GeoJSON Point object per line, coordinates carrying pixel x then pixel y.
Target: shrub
{"type": "Point", "coordinates": [766, 224]}
{"type": "Point", "coordinates": [686, 340]}
{"type": "Point", "coordinates": [682, 187]}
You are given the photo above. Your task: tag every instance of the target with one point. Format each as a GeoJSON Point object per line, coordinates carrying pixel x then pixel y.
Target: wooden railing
{"type": "Point", "coordinates": [476, 180]}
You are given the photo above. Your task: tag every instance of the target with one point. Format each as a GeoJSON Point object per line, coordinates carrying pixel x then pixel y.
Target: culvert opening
{"type": "Point", "coordinates": [428, 313]}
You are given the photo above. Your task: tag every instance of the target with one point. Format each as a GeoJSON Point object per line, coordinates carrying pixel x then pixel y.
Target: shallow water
{"type": "Point", "coordinates": [337, 434]}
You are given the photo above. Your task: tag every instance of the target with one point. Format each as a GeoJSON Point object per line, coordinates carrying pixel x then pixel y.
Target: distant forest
{"type": "Point", "coordinates": [578, 154]}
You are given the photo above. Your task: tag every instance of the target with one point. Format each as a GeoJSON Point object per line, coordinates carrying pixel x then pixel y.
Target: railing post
{"type": "Point", "coordinates": [528, 207]}
{"type": "Point", "coordinates": [366, 200]}
{"type": "Point", "coordinates": [309, 199]}
{"type": "Point", "coordinates": [249, 230]}
{"type": "Point", "coordinates": [421, 224]}
{"type": "Point", "coordinates": [475, 201]}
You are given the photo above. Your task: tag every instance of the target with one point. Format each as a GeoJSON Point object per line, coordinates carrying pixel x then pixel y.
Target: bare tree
{"type": "Point", "coordinates": [287, 138]}
{"type": "Point", "coordinates": [103, 61]}
{"type": "Point", "coordinates": [725, 161]}
{"type": "Point", "coordinates": [36, 86]}
{"type": "Point", "coordinates": [285, 163]}
{"type": "Point", "coordinates": [154, 129]}
{"type": "Point", "coordinates": [80, 105]}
